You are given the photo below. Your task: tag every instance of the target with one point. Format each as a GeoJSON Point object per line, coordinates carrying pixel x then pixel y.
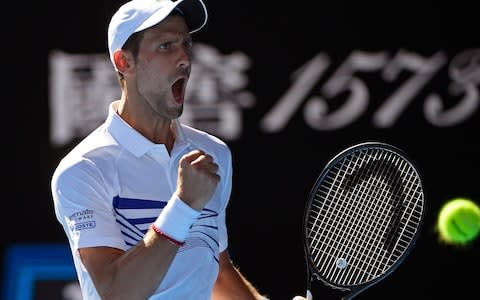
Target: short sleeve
{"type": "Point", "coordinates": [83, 206]}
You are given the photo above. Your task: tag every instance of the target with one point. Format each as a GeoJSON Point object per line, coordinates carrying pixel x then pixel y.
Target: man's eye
{"type": "Point", "coordinates": [165, 45]}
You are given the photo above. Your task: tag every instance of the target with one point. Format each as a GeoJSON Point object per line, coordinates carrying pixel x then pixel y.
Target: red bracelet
{"type": "Point", "coordinates": [168, 238]}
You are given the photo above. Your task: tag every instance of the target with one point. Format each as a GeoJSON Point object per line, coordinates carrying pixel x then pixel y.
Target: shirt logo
{"type": "Point", "coordinates": [82, 220]}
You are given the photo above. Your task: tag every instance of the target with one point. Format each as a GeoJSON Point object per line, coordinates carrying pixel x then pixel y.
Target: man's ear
{"type": "Point", "coordinates": [120, 60]}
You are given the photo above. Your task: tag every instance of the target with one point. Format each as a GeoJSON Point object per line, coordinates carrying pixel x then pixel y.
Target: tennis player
{"type": "Point", "coordinates": [143, 198]}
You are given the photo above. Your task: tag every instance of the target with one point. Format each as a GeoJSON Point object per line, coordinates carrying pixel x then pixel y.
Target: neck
{"type": "Point", "coordinates": [158, 131]}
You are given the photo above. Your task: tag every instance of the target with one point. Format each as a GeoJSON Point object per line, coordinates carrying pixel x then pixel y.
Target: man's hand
{"type": "Point", "coordinates": [197, 179]}
{"type": "Point", "coordinates": [309, 297]}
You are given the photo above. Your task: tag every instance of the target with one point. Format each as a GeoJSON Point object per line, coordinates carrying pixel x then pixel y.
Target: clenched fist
{"type": "Point", "coordinates": [197, 179]}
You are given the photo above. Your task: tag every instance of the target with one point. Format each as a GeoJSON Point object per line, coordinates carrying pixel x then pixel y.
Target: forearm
{"type": "Point", "coordinates": [253, 290]}
{"type": "Point", "coordinates": [231, 284]}
{"type": "Point", "coordinates": [134, 274]}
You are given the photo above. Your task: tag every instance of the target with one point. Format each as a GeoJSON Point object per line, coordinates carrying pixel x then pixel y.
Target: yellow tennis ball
{"type": "Point", "coordinates": [459, 221]}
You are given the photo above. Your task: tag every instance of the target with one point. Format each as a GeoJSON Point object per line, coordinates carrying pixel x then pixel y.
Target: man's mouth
{"type": "Point", "coordinates": [178, 88]}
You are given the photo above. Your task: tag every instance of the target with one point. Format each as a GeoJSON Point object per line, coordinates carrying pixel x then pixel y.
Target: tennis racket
{"type": "Point", "coordinates": [362, 217]}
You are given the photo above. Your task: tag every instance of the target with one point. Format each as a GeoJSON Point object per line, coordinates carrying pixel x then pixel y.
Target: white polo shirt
{"type": "Point", "coordinates": [114, 184]}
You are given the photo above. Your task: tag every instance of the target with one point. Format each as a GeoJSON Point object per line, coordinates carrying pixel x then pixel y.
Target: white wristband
{"type": "Point", "coordinates": [176, 218]}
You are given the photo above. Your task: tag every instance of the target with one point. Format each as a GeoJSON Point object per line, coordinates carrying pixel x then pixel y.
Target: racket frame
{"type": "Point", "coordinates": [312, 272]}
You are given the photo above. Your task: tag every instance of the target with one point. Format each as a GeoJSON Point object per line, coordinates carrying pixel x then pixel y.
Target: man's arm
{"type": "Point", "coordinates": [134, 274]}
{"type": "Point", "coordinates": [231, 284]}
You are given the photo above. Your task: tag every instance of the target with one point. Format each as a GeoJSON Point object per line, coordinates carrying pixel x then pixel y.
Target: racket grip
{"type": "Point", "coordinates": [309, 295]}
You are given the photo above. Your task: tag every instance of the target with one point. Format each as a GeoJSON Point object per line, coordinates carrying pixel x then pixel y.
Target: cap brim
{"type": "Point", "coordinates": [194, 12]}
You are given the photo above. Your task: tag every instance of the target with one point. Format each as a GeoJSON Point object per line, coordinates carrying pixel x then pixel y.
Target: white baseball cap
{"type": "Point", "coordinates": [137, 15]}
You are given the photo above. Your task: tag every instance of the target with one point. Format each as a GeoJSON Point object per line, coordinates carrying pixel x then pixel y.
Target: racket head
{"type": "Point", "coordinates": [363, 216]}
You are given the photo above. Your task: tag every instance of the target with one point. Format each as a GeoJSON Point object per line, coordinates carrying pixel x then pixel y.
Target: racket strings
{"type": "Point", "coordinates": [364, 231]}
{"type": "Point", "coordinates": [356, 220]}
{"type": "Point", "coordinates": [332, 217]}
{"type": "Point", "coordinates": [357, 234]}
